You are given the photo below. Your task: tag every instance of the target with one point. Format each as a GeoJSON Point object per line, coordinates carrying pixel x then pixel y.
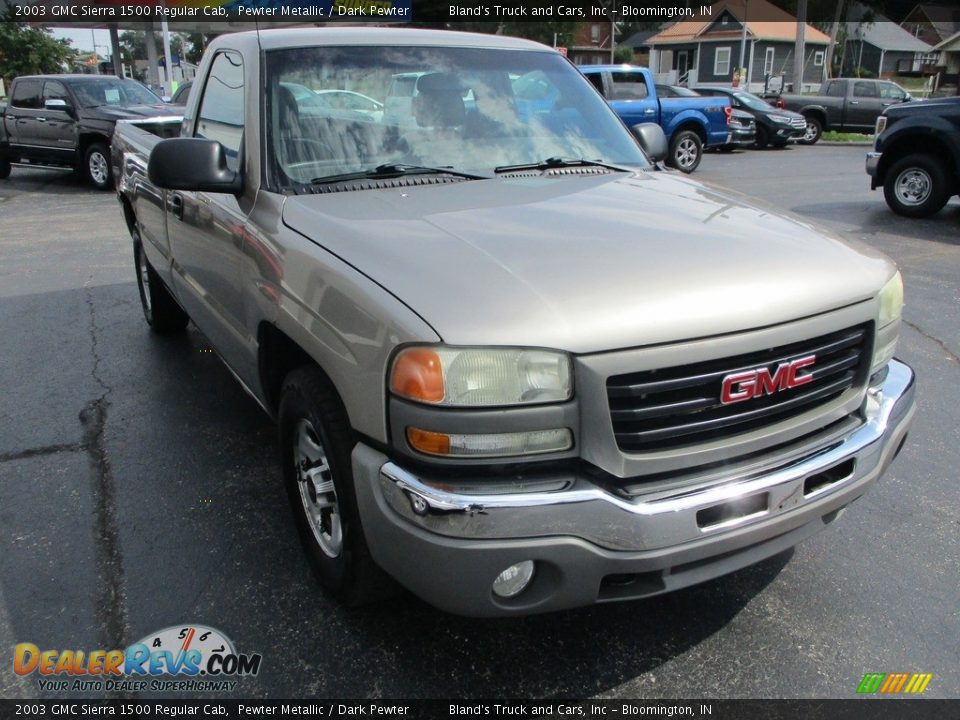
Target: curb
{"type": "Point", "coordinates": [841, 143]}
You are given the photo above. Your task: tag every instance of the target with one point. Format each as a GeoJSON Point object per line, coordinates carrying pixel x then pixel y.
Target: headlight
{"type": "Point", "coordinates": [891, 301]}
{"type": "Point", "coordinates": [888, 328]}
{"type": "Point", "coordinates": [780, 119]}
{"type": "Point", "coordinates": [481, 377]}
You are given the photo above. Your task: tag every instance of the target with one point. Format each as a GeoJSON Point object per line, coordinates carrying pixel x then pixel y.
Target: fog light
{"type": "Point", "coordinates": [514, 580]}
{"type": "Point", "coordinates": [490, 444]}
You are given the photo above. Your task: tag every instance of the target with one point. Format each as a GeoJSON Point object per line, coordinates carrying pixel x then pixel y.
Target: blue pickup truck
{"type": "Point", "coordinates": [691, 124]}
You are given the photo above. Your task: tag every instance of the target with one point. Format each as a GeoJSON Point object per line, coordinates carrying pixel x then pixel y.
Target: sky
{"type": "Point", "coordinates": [82, 40]}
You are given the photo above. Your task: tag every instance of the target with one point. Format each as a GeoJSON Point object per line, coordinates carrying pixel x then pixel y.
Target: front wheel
{"type": "Point", "coordinates": [97, 166]}
{"type": "Point", "coordinates": [686, 150]}
{"type": "Point", "coordinates": [4, 169]}
{"type": "Point", "coordinates": [161, 311]}
{"type": "Point", "coordinates": [916, 186]}
{"type": "Point", "coordinates": [812, 133]}
{"type": "Point", "coordinates": [763, 138]}
{"type": "Point", "coordinates": [315, 444]}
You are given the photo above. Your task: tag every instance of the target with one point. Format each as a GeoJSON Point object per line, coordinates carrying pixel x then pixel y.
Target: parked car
{"type": "Point", "coordinates": [690, 123]}
{"type": "Point", "coordinates": [916, 156]}
{"type": "Point", "coordinates": [845, 105]}
{"type": "Point", "coordinates": [774, 127]}
{"type": "Point", "coordinates": [66, 121]}
{"type": "Point", "coordinates": [515, 364]}
{"type": "Point", "coordinates": [740, 123]}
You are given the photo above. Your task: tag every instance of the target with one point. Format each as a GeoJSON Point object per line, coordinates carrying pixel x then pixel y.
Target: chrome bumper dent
{"type": "Point", "coordinates": [574, 506]}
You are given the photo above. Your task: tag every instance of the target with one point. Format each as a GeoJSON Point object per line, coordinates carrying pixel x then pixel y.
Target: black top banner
{"type": "Point", "coordinates": [727, 14]}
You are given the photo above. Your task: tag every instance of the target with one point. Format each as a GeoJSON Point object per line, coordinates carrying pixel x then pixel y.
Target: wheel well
{"type": "Point", "coordinates": [278, 356]}
{"type": "Point", "coordinates": [88, 140]}
{"type": "Point", "coordinates": [695, 127]}
{"type": "Point", "coordinates": [818, 115]}
{"type": "Point", "coordinates": [910, 144]}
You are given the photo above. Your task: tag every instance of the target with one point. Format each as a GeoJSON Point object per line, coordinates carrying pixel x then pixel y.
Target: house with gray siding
{"type": "Point", "coordinates": [707, 49]}
{"type": "Point", "coordinates": [876, 46]}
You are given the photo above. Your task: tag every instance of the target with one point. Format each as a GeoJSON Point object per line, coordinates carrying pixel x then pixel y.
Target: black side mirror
{"type": "Point", "coordinates": [195, 164]}
{"type": "Point", "coordinates": [652, 140]}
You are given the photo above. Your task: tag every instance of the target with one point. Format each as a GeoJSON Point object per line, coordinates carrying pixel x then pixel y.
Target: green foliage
{"type": "Point", "coordinates": [26, 50]}
{"type": "Point", "coordinates": [623, 55]}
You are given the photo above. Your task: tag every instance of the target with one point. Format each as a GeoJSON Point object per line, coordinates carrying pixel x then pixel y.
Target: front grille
{"type": "Point", "coordinates": [799, 123]}
{"type": "Point", "coordinates": [660, 409]}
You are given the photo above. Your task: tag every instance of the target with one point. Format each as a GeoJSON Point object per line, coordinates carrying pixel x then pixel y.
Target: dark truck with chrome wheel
{"type": "Point", "coordinates": [514, 364]}
{"type": "Point", "coordinates": [66, 121]}
{"type": "Point", "coordinates": [916, 156]}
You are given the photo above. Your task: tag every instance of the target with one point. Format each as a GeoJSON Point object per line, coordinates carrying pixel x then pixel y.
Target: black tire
{"type": "Point", "coordinates": [311, 420]}
{"type": "Point", "coordinates": [686, 151]}
{"type": "Point", "coordinates": [778, 143]}
{"type": "Point", "coordinates": [96, 166]}
{"type": "Point", "coordinates": [916, 186]}
{"type": "Point", "coordinates": [813, 131]}
{"type": "Point", "coordinates": [161, 311]}
{"type": "Point", "coordinates": [763, 138]}
{"type": "Point", "coordinates": [4, 169]}
{"type": "Point", "coordinates": [727, 148]}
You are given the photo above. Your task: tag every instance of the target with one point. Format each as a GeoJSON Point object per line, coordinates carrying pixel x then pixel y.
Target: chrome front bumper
{"type": "Point", "coordinates": [580, 532]}
{"type": "Point", "coordinates": [872, 165]}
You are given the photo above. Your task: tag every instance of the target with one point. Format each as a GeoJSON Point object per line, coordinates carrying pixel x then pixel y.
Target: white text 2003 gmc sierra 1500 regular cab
{"type": "Point", "coordinates": [514, 363]}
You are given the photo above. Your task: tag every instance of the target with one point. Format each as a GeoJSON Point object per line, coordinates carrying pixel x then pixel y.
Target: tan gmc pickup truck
{"type": "Point", "coordinates": [515, 364]}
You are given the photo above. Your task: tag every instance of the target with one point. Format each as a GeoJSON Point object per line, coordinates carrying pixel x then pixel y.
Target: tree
{"type": "Point", "coordinates": [27, 50]}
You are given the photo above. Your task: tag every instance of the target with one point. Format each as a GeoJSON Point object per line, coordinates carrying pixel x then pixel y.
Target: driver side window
{"type": "Point", "coordinates": [221, 108]}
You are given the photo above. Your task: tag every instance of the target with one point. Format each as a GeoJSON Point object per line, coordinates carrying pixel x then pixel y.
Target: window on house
{"type": "Point", "coordinates": [818, 58]}
{"type": "Point", "coordinates": [721, 62]}
{"type": "Point", "coordinates": [768, 61]}
{"type": "Point", "coordinates": [595, 33]}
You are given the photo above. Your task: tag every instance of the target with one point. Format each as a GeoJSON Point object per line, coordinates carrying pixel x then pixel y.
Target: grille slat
{"type": "Point", "coordinates": [657, 409]}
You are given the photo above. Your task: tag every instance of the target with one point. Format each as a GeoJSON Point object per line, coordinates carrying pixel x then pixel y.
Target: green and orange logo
{"type": "Point", "coordinates": [894, 683]}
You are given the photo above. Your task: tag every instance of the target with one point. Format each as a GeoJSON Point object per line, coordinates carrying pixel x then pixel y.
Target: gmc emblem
{"type": "Point", "coordinates": [757, 383]}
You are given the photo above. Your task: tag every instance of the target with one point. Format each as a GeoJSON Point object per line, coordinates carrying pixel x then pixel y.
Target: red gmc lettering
{"type": "Point", "coordinates": [756, 383]}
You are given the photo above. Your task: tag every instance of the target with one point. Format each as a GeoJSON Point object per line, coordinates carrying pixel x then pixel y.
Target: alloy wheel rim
{"type": "Point", "coordinates": [913, 186]}
{"type": "Point", "coordinates": [686, 153]}
{"type": "Point", "coordinates": [811, 131]}
{"type": "Point", "coordinates": [98, 168]}
{"type": "Point", "coordinates": [317, 492]}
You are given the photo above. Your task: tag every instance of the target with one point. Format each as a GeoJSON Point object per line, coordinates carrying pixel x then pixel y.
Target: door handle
{"type": "Point", "coordinates": [854, 102]}
{"type": "Point", "coordinates": [176, 205]}
{"type": "Point", "coordinates": [649, 111]}
{"type": "Point", "coordinates": [41, 119]}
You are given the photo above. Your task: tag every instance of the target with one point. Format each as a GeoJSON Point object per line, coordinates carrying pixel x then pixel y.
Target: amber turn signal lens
{"type": "Point", "coordinates": [428, 442]}
{"type": "Point", "coordinates": [418, 375]}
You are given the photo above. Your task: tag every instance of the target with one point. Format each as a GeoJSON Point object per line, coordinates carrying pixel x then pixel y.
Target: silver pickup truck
{"type": "Point", "coordinates": [514, 363]}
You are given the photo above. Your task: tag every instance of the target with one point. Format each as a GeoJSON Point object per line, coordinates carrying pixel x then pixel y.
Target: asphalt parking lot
{"type": "Point", "coordinates": [139, 489]}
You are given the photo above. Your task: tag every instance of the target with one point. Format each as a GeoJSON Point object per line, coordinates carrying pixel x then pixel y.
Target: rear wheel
{"type": "Point", "coordinates": [4, 169]}
{"type": "Point", "coordinates": [315, 444]}
{"type": "Point", "coordinates": [686, 150]}
{"type": "Point", "coordinates": [812, 133]}
{"type": "Point", "coordinates": [916, 186]}
{"type": "Point", "coordinates": [160, 310]}
{"type": "Point", "coordinates": [97, 166]}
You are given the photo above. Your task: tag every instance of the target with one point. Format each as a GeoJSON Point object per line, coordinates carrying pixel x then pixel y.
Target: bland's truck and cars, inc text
{"type": "Point", "coordinates": [515, 364]}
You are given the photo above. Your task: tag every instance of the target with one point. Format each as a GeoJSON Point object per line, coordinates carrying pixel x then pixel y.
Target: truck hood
{"type": "Point", "coordinates": [587, 264]}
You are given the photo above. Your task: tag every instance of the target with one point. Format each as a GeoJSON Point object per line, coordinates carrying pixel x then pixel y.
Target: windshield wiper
{"type": "Point", "coordinates": [393, 170]}
{"type": "Point", "coordinates": [559, 162]}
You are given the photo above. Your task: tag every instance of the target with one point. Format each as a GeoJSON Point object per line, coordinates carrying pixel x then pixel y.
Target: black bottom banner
{"type": "Point", "coordinates": [860, 709]}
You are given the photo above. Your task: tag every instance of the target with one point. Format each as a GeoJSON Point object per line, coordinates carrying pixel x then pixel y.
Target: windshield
{"type": "Point", "coordinates": [465, 109]}
{"type": "Point", "coordinates": [753, 102]}
{"type": "Point", "coordinates": [113, 91]}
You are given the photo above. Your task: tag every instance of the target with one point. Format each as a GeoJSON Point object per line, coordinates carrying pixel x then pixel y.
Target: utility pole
{"type": "Point", "coordinates": [798, 50]}
{"type": "Point", "coordinates": [743, 36]}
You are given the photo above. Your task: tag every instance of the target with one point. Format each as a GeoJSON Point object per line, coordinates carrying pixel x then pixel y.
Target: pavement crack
{"type": "Point", "coordinates": [110, 596]}
{"type": "Point", "coordinates": [43, 450]}
{"type": "Point", "coordinates": [950, 353]}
